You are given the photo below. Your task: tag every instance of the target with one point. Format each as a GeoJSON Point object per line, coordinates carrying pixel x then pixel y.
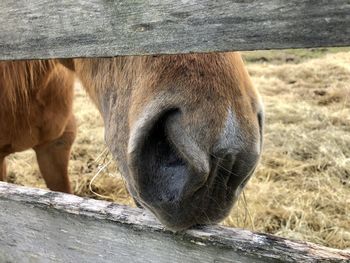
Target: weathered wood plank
{"type": "Point", "coordinates": [43, 226]}
{"type": "Point", "coordinates": [103, 28]}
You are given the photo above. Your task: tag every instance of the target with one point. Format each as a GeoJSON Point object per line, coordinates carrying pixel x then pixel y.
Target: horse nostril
{"type": "Point", "coordinates": [161, 173]}
{"type": "Point", "coordinates": [166, 163]}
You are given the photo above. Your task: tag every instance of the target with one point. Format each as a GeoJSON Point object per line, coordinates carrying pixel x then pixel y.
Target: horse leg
{"type": "Point", "coordinates": [2, 169]}
{"type": "Point", "coordinates": [53, 159]}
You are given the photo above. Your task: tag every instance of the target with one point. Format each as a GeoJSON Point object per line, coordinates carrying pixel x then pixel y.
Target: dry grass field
{"type": "Point", "coordinates": [301, 189]}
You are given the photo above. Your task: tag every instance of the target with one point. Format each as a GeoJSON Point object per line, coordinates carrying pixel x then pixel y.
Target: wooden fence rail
{"type": "Point", "coordinates": [43, 226]}
{"type": "Point", "coordinates": [104, 28]}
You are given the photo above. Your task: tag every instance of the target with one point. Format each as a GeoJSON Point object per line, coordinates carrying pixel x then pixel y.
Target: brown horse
{"type": "Point", "coordinates": [36, 112]}
{"type": "Point", "coordinates": [186, 130]}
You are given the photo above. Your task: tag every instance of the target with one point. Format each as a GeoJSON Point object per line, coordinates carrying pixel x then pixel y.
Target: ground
{"type": "Point", "coordinates": [301, 189]}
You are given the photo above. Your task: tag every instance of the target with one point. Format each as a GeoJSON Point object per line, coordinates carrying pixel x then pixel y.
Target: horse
{"type": "Point", "coordinates": [185, 130]}
{"type": "Point", "coordinates": [36, 100]}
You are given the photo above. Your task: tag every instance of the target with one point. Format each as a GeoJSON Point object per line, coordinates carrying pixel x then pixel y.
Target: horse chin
{"type": "Point", "coordinates": [200, 209]}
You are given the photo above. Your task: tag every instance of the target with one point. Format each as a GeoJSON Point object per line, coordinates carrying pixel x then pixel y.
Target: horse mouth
{"type": "Point", "coordinates": [181, 184]}
{"type": "Point", "coordinates": [208, 205]}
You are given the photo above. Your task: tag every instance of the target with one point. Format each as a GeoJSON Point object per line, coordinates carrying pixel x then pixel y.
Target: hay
{"type": "Point", "coordinates": [301, 189]}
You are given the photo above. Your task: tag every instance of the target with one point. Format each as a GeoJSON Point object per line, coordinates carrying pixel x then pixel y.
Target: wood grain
{"type": "Point", "coordinates": [42, 226]}
{"type": "Point", "coordinates": [105, 28]}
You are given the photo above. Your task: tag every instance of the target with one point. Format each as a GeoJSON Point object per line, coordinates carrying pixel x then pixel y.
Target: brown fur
{"type": "Point", "coordinates": [181, 103]}
{"type": "Point", "coordinates": [36, 112]}
{"type": "Point", "coordinates": [140, 78]}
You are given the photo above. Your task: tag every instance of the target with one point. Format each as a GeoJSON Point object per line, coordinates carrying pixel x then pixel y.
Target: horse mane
{"type": "Point", "coordinates": [19, 80]}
